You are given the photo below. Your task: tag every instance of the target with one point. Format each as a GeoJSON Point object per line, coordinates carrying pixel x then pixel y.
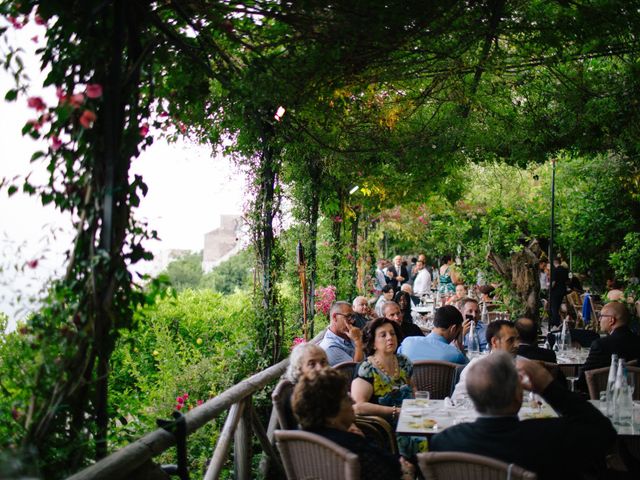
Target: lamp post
{"type": "Point", "coordinates": [553, 226]}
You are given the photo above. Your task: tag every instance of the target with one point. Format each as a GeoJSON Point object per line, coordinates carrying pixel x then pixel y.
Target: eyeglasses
{"type": "Point", "coordinates": [607, 316]}
{"type": "Point", "coordinates": [348, 316]}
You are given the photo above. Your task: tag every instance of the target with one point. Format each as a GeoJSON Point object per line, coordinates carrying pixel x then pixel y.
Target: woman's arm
{"type": "Point", "coordinates": [361, 392]}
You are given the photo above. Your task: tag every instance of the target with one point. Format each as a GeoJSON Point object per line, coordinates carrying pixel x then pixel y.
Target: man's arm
{"type": "Point", "coordinates": [355, 334]}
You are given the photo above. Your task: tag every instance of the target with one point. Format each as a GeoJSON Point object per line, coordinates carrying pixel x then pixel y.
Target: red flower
{"type": "Point", "coordinates": [144, 130]}
{"type": "Point", "coordinates": [60, 94]}
{"type": "Point", "coordinates": [199, 402]}
{"type": "Point", "coordinates": [182, 127]}
{"type": "Point", "coordinates": [87, 118]}
{"type": "Point", "coordinates": [15, 22]}
{"type": "Point", "coordinates": [179, 399]}
{"type": "Point", "coordinates": [36, 102]}
{"type": "Point", "coordinates": [36, 125]}
{"type": "Point", "coordinates": [185, 396]}
{"type": "Point", "coordinates": [32, 263]}
{"type": "Point", "coordinates": [178, 406]}
{"type": "Point", "coordinates": [93, 90]}
{"type": "Point", "coordinates": [56, 143]}
{"type": "Point", "coordinates": [39, 20]}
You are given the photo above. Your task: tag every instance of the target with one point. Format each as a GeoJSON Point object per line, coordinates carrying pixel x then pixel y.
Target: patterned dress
{"type": "Point", "coordinates": [446, 283]}
{"type": "Point", "coordinates": [391, 391]}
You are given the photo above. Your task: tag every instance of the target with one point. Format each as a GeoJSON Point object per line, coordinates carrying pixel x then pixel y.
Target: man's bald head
{"type": "Point", "coordinates": [494, 386]}
{"type": "Point", "coordinates": [527, 330]}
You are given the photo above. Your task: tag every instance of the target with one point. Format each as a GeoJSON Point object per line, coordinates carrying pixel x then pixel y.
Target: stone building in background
{"type": "Point", "coordinates": [222, 242]}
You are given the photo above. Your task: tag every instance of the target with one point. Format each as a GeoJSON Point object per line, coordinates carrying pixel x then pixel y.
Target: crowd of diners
{"type": "Point", "coordinates": [380, 334]}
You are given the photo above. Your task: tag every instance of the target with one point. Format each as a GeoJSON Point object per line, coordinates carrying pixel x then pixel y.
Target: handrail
{"type": "Point", "coordinates": [126, 460]}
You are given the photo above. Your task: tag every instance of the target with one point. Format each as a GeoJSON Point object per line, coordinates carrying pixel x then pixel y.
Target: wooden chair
{"type": "Point", "coordinates": [447, 465]}
{"type": "Point", "coordinates": [435, 376]}
{"type": "Point", "coordinates": [597, 381]}
{"type": "Point", "coordinates": [307, 456]}
{"type": "Point", "coordinates": [281, 400]}
{"type": "Point", "coordinates": [348, 370]}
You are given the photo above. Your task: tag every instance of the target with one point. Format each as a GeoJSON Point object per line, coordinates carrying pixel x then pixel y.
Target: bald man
{"type": "Point", "coordinates": [620, 340]}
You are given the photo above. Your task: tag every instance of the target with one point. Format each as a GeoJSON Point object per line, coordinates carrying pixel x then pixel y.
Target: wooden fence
{"type": "Point", "coordinates": [136, 459]}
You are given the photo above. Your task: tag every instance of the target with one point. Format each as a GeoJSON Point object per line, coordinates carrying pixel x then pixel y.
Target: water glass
{"type": "Point", "coordinates": [422, 398]}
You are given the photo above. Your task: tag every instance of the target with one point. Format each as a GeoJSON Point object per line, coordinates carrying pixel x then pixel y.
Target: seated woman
{"type": "Point", "coordinates": [384, 380]}
{"type": "Point", "coordinates": [407, 327]}
{"type": "Point", "coordinates": [322, 405]}
{"type": "Point", "coordinates": [458, 296]}
{"type": "Point", "coordinates": [304, 359]}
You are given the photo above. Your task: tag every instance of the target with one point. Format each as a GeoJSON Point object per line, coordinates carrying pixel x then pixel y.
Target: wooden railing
{"type": "Point", "coordinates": [136, 459]}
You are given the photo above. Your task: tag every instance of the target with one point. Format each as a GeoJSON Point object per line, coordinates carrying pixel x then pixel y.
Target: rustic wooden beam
{"type": "Point", "coordinates": [224, 441]}
{"type": "Point", "coordinates": [266, 442]}
{"type": "Point", "coordinates": [242, 443]}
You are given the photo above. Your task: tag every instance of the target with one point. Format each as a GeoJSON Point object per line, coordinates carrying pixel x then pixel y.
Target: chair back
{"type": "Point", "coordinates": [435, 376]}
{"type": "Point", "coordinates": [307, 456]}
{"type": "Point", "coordinates": [597, 380]}
{"type": "Point", "coordinates": [347, 369]}
{"type": "Point", "coordinates": [446, 465]}
{"type": "Point", "coordinates": [281, 400]}
{"type": "Point", "coordinates": [384, 435]}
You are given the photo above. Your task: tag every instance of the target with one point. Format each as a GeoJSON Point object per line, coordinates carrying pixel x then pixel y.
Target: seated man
{"type": "Point", "coordinates": [528, 347]}
{"type": "Point", "coordinates": [471, 312]}
{"type": "Point", "coordinates": [342, 341]}
{"type": "Point", "coordinates": [391, 311]}
{"type": "Point", "coordinates": [563, 447]}
{"type": "Point", "coordinates": [614, 320]}
{"type": "Point", "coordinates": [447, 325]}
{"type": "Point", "coordinates": [501, 335]}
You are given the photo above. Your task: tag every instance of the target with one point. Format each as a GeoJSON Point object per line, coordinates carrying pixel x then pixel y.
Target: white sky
{"type": "Point", "coordinates": [189, 189]}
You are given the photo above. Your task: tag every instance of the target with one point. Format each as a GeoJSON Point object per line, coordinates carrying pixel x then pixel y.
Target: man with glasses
{"type": "Point", "coordinates": [620, 340]}
{"type": "Point", "coordinates": [342, 341]}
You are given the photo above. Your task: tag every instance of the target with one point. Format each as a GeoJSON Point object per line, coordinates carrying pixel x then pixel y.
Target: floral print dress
{"type": "Point", "coordinates": [391, 391]}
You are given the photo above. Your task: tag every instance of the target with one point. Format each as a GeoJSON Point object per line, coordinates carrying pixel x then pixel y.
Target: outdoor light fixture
{"type": "Point", "coordinates": [354, 190]}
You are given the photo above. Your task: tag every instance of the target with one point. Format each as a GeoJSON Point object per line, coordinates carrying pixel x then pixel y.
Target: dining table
{"type": "Point", "coordinates": [429, 417]}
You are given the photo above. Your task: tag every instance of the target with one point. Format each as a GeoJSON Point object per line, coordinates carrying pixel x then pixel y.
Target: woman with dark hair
{"type": "Point", "coordinates": [384, 380]}
{"type": "Point", "coordinates": [323, 406]}
{"type": "Point", "coordinates": [448, 277]}
{"type": "Point", "coordinates": [407, 327]}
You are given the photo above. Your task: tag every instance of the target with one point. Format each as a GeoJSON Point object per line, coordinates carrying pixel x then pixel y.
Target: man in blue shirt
{"type": "Point", "coordinates": [342, 341]}
{"type": "Point", "coordinates": [447, 324]}
{"type": "Point", "coordinates": [471, 311]}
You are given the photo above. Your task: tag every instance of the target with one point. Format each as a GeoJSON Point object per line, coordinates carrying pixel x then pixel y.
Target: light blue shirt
{"type": "Point", "coordinates": [431, 347]}
{"type": "Point", "coordinates": [481, 330]}
{"type": "Point", "coordinates": [337, 348]}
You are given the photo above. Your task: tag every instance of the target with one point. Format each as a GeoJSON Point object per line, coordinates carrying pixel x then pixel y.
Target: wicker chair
{"type": "Point", "coordinates": [385, 436]}
{"type": "Point", "coordinates": [446, 465]}
{"type": "Point", "coordinates": [435, 376]}
{"type": "Point", "coordinates": [347, 369]}
{"type": "Point", "coordinates": [597, 381]}
{"type": "Point", "coordinates": [281, 399]}
{"type": "Point", "coordinates": [307, 456]}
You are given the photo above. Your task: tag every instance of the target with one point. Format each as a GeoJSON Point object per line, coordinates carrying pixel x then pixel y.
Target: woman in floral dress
{"type": "Point", "coordinates": [384, 380]}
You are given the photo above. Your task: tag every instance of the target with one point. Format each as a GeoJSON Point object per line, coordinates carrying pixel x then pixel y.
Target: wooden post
{"type": "Point", "coordinates": [220, 453]}
{"type": "Point", "coordinates": [273, 424]}
{"type": "Point", "coordinates": [267, 446]}
{"type": "Point", "coordinates": [242, 443]}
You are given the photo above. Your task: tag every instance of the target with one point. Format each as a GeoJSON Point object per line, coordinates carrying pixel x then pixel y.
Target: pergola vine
{"type": "Point", "coordinates": [393, 98]}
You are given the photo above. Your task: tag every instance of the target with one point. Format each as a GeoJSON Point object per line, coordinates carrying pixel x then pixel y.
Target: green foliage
{"type": "Point", "coordinates": [186, 271]}
{"type": "Point", "coordinates": [626, 261]}
{"type": "Point", "coordinates": [199, 343]}
{"type": "Point", "coordinates": [231, 275]}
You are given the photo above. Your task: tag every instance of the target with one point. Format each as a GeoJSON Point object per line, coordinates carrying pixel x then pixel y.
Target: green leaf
{"type": "Point", "coordinates": [11, 190]}
{"type": "Point", "coordinates": [11, 95]}
{"type": "Point", "coordinates": [37, 155]}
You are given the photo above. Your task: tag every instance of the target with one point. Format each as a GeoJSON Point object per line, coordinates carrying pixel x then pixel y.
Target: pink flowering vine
{"type": "Point", "coordinates": [297, 341]}
{"type": "Point", "coordinates": [87, 118]}
{"type": "Point", "coordinates": [93, 90]}
{"type": "Point", "coordinates": [37, 103]}
{"type": "Point", "coordinates": [325, 298]}
{"type": "Point", "coordinates": [144, 130]}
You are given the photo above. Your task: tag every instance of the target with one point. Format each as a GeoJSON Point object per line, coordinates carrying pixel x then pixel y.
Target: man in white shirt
{"type": "Point", "coordinates": [422, 281]}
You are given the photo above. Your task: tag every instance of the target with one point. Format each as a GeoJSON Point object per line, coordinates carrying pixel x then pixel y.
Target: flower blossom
{"type": "Point", "coordinates": [87, 118]}
{"type": "Point", "coordinates": [297, 341]}
{"type": "Point", "coordinates": [144, 130]}
{"type": "Point", "coordinates": [56, 143]}
{"type": "Point", "coordinates": [36, 102]}
{"type": "Point", "coordinates": [32, 263]}
{"type": "Point", "coordinates": [93, 90]}
{"type": "Point", "coordinates": [325, 298]}
{"type": "Point", "coordinates": [39, 20]}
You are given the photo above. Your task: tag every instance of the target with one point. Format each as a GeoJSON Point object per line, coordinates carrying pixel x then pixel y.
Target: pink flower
{"type": "Point", "coordinates": [36, 102]}
{"type": "Point", "coordinates": [93, 90]}
{"type": "Point", "coordinates": [178, 406]}
{"type": "Point", "coordinates": [297, 341]}
{"type": "Point", "coordinates": [87, 118]}
{"type": "Point", "coordinates": [60, 94]}
{"type": "Point", "coordinates": [39, 20]}
{"type": "Point", "coordinates": [34, 39]}
{"type": "Point", "coordinates": [56, 143]}
{"type": "Point", "coordinates": [15, 22]}
{"type": "Point", "coordinates": [76, 100]}
{"type": "Point", "coordinates": [163, 115]}
{"type": "Point", "coordinates": [144, 130]}
{"type": "Point", "coordinates": [32, 263]}
{"type": "Point", "coordinates": [337, 219]}
{"type": "Point", "coordinates": [36, 125]}
{"type": "Point", "coordinates": [199, 402]}
{"type": "Point", "coordinates": [182, 127]}
{"type": "Point", "coordinates": [179, 399]}
{"type": "Point", "coordinates": [185, 396]}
